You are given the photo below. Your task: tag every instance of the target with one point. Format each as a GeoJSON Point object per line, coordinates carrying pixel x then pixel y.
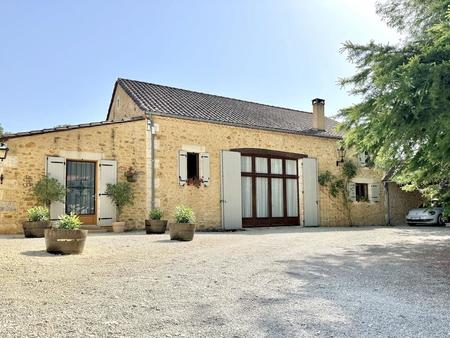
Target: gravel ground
{"type": "Point", "coordinates": [290, 282]}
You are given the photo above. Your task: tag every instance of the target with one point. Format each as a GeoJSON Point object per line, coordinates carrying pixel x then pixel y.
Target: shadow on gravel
{"type": "Point", "coordinates": [378, 290]}
{"type": "Point", "coordinates": [37, 253]}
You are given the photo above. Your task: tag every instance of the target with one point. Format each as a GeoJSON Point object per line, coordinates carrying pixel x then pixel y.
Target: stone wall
{"type": "Point", "coordinates": [174, 134]}
{"type": "Point", "coordinates": [25, 164]}
{"type": "Point", "coordinates": [400, 202]}
{"type": "Point", "coordinates": [122, 106]}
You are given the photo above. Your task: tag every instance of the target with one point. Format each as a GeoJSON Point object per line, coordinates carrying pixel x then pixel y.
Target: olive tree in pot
{"type": "Point", "coordinates": [66, 237]}
{"type": "Point", "coordinates": [38, 221]}
{"type": "Point", "coordinates": [184, 227]}
{"type": "Point", "coordinates": [46, 191]}
{"type": "Point", "coordinates": [155, 225]}
{"type": "Point", "coordinates": [121, 194]}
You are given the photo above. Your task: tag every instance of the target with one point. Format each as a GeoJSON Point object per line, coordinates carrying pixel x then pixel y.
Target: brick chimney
{"type": "Point", "coordinates": [318, 114]}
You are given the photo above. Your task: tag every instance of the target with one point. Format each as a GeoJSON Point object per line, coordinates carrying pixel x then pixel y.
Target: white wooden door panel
{"type": "Point", "coordinates": [106, 208]}
{"type": "Point", "coordinates": [231, 190]}
{"type": "Point", "coordinates": [310, 191]}
{"type": "Point", "coordinates": [56, 168]}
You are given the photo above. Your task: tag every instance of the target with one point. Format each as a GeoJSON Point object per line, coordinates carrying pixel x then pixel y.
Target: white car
{"type": "Point", "coordinates": [427, 214]}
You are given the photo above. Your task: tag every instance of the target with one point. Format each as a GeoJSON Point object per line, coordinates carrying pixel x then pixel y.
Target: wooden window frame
{"type": "Point", "coordinates": [269, 155]}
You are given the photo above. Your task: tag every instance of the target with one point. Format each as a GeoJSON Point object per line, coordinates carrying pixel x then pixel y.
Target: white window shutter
{"type": "Point", "coordinates": [351, 191]}
{"type": "Point", "coordinates": [204, 157]}
{"type": "Point", "coordinates": [106, 207]}
{"type": "Point", "coordinates": [182, 167]}
{"type": "Point", "coordinates": [56, 168]}
{"type": "Point", "coordinates": [374, 192]}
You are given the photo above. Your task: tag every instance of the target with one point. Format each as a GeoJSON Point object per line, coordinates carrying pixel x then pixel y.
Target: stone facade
{"type": "Point", "coordinates": [175, 134]}
{"type": "Point", "coordinates": [25, 164]}
{"type": "Point", "coordinates": [400, 202]}
{"type": "Point", "coordinates": [130, 144]}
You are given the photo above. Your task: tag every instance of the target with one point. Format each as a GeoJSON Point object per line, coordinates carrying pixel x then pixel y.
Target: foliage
{"type": "Point", "coordinates": [1, 131]}
{"type": "Point", "coordinates": [156, 214]}
{"type": "Point", "coordinates": [403, 118]}
{"type": "Point", "coordinates": [121, 194]}
{"type": "Point", "coordinates": [68, 222]}
{"type": "Point", "coordinates": [38, 214]}
{"type": "Point", "coordinates": [184, 214]}
{"type": "Point", "coordinates": [48, 190]}
{"type": "Point", "coordinates": [337, 186]}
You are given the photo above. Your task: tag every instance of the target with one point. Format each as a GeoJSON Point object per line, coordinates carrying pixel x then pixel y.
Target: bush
{"type": "Point", "coordinates": [48, 190]}
{"type": "Point", "coordinates": [184, 214]}
{"type": "Point", "coordinates": [156, 214]}
{"type": "Point", "coordinates": [121, 194]}
{"type": "Point", "coordinates": [38, 214]}
{"type": "Point", "coordinates": [68, 222]}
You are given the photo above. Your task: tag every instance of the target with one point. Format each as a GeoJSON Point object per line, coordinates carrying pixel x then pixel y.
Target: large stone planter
{"type": "Point", "coordinates": [118, 226]}
{"type": "Point", "coordinates": [35, 229]}
{"type": "Point", "coordinates": [155, 226]}
{"type": "Point", "coordinates": [182, 231]}
{"type": "Point", "coordinates": [61, 241]}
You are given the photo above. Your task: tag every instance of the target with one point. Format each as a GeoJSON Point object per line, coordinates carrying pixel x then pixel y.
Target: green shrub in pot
{"type": "Point", "coordinates": [184, 227]}
{"type": "Point", "coordinates": [38, 221]}
{"type": "Point", "coordinates": [66, 237]}
{"type": "Point", "coordinates": [155, 224]}
{"type": "Point", "coordinates": [121, 194]}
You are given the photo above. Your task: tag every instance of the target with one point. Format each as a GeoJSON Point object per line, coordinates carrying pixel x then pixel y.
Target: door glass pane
{"type": "Point", "coordinates": [247, 197]}
{"type": "Point", "coordinates": [277, 197]}
{"type": "Point", "coordinates": [80, 197]}
{"type": "Point", "coordinates": [261, 165]}
{"type": "Point", "coordinates": [291, 197]}
{"type": "Point", "coordinates": [246, 164]}
{"type": "Point", "coordinates": [276, 166]}
{"type": "Point", "coordinates": [262, 197]}
{"type": "Point", "coordinates": [291, 167]}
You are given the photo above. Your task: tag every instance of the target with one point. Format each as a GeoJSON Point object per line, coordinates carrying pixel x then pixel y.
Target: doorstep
{"type": "Point", "coordinates": [92, 228]}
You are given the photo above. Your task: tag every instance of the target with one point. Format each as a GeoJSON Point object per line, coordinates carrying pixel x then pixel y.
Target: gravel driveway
{"type": "Point", "coordinates": [290, 282]}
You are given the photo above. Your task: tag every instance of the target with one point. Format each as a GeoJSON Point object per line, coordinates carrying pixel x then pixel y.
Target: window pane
{"type": "Point", "coordinates": [80, 183]}
{"type": "Point", "coordinates": [291, 167]}
{"type": "Point", "coordinates": [246, 192]}
{"type": "Point", "coordinates": [261, 165]}
{"type": "Point", "coordinates": [277, 197]}
{"type": "Point", "coordinates": [246, 164]}
{"type": "Point", "coordinates": [262, 197]}
{"type": "Point", "coordinates": [276, 166]}
{"type": "Point", "coordinates": [291, 197]}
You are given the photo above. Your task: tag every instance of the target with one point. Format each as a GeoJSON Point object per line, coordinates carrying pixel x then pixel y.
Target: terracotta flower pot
{"type": "Point", "coordinates": [35, 229]}
{"type": "Point", "coordinates": [155, 226]}
{"type": "Point", "coordinates": [118, 226]}
{"type": "Point", "coordinates": [61, 241]}
{"type": "Point", "coordinates": [182, 231]}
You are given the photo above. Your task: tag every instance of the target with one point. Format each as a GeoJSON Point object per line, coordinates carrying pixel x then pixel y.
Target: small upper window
{"type": "Point", "coordinates": [362, 192]}
{"type": "Point", "coordinates": [192, 168]}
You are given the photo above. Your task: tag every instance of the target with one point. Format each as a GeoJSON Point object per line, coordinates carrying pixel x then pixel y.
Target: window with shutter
{"type": "Point", "coordinates": [56, 168]}
{"type": "Point", "coordinates": [182, 167]}
{"type": "Point", "coordinates": [374, 192]}
{"type": "Point", "coordinates": [352, 191]}
{"type": "Point", "coordinates": [204, 167]}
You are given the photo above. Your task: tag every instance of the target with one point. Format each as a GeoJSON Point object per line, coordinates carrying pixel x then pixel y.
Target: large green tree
{"type": "Point", "coordinates": [403, 119]}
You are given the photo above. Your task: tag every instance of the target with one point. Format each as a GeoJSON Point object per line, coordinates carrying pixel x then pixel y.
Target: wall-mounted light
{"type": "Point", "coordinates": [1, 179]}
{"type": "Point", "coordinates": [3, 151]}
{"type": "Point", "coordinates": [340, 154]}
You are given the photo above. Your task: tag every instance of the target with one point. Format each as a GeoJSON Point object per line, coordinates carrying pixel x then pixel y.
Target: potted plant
{"type": "Point", "coordinates": [155, 225]}
{"type": "Point", "coordinates": [38, 221]}
{"type": "Point", "coordinates": [66, 237]}
{"type": "Point", "coordinates": [121, 194]}
{"type": "Point", "coordinates": [184, 227]}
{"type": "Point", "coordinates": [131, 174]}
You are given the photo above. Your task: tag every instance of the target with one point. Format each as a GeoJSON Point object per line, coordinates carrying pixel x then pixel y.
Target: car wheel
{"type": "Point", "coordinates": [441, 220]}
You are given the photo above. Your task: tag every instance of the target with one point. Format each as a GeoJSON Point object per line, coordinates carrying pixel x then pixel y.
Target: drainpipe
{"type": "Point", "coordinates": [151, 128]}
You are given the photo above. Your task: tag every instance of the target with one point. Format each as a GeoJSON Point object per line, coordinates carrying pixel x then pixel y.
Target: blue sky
{"type": "Point", "coordinates": [59, 59]}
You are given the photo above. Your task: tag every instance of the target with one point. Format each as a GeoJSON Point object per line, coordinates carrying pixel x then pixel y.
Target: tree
{"type": "Point", "coordinates": [403, 119]}
{"type": "Point", "coordinates": [48, 190]}
{"type": "Point", "coordinates": [337, 187]}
